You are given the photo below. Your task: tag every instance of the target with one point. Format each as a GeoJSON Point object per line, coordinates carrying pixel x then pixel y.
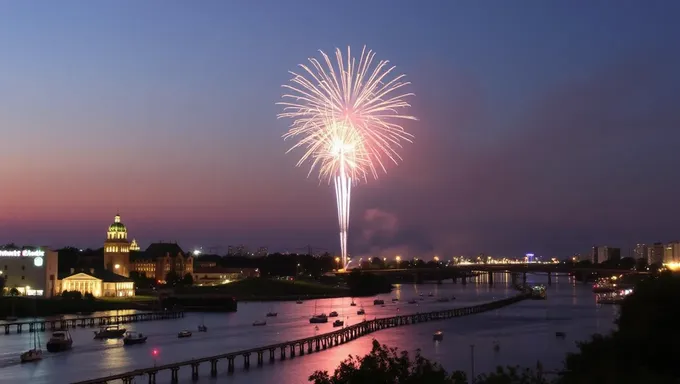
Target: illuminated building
{"type": "Point", "coordinates": [134, 247]}
{"type": "Point", "coordinates": [655, 254]}
{"type": "Point", "coordinates": [640, 251]}
{"type": "Point", "coordinates": [98, 283]}
{"type": "Point", "coordinates": [671, 253]}
{"type": "Point", "coordinates": [239, 250]}
{"type": "Point", "coordinates": [262, 251]}
{"type": "Point", "coordinates": [31, 271]}
{"type": "Point", "coordinates": [117, 249]}
{"type": "Point", "coordinates": [220, 275]}
{"type": "Point", "coordinates": [161, 258]}
{"type": "Point", "coordinates": [604, 253]}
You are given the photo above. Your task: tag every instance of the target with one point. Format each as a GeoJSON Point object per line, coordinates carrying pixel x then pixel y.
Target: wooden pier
{"type": "Point", "coordinates": [290, 349]}
{"type": "Point", "coordinates": [88, 321]}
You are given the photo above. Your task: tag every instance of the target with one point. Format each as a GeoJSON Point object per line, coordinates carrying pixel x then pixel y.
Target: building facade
{"type": "Point", "coordinates": [117, 249]}
{"type": "Point", "coordinates": [221, 275]}
{"type": "Point", "coordinates": [159, 259]}
{"type": "Point", "coordinates": [601, 253]}
{"type": "Point", "coordinates": [655, 254]}
{"type": "Point", "coordinates": [640, 251]}
{"type": "Point", "coordinates": [97, 283]}
{"type": "Point", "coordinates": [31, 271]}
{"type": "Point", "coordinates": [671, 254]}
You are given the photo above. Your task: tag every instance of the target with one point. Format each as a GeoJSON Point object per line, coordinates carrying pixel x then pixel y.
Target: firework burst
{"type": "Point", "coordinates": [346, 116]}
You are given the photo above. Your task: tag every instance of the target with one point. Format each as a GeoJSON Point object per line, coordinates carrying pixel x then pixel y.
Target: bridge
{"type": "Point", "coordinates": [464, 272]}
{"type": "Point", "coordinates": [301, 346]}
{"type": "Point", "coordinates": [91, 321]}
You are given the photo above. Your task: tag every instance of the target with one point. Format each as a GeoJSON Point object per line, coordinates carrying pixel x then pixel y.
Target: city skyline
{"type": "Point", "coordinates": [527, 142]}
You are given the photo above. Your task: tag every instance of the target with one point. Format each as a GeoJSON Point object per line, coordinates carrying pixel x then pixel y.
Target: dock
{"type": "Point", "coordinates": [291, 349]}
{"type": "Point", "coordinates": [88, 321]}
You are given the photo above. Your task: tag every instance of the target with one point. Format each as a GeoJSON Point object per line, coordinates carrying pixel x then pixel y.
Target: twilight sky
{"type": "Point", "coordinates": [543, 126]}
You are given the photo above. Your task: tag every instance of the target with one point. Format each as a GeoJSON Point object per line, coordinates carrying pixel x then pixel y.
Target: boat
{"type": "Point", "coordinates": [35, 353]}
{"type": "Point", "coordinates": [298, 302]}
{"type": "Point", "coordinates": [321, 318]}
{"type": "Point", "coordinates": [560, 335]}
{"type": "Point", "coordinates": [413, 301]}
{"type": "Point", "coordinates": [438, 336]}
{"type": "Point", "coordinates": [361, 312]}
{"type": "Point", "coordinates": [183, 333]}
{"type": "Point", "coordinates": [333, 314]}
{"type": "Point", "coordinates": [421, 295]}
{"type": "Point", "coordinates": [60, 341]}
{"type": "Point", "coordinates": [430, 294]}
{"type": "Point", "coordinates": [202, 328]}
{"type": "Point", "coordinates": [272, 314]}
{"type": "Point", "coordinates": [338, 323]}
{"type": "Point", "coordinates": [443, 300]}
{"type": "Point", "coordinates": [259, 323]}
{"type": "Point", "coordinates": [395, 300]}
{"type": "Point", "coordinates": [353, 304]}
{"type": "Point", "coordinates": [110, 332]}
{"type": "Point", "coordinates": [538, 292]}
{"type": "Point", "coordinates": [132, 338]}
{"type": "Point", "coordinates": [378, 302]}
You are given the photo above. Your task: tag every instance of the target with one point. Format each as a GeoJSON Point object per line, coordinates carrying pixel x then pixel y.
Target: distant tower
{"type": "Point", "coordinates": [117, 249]}
{"type": "Point", "coordinates": [134, 246]}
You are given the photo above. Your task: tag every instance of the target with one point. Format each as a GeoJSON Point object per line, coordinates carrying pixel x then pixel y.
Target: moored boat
{"type": "Point", "coordinates": [132, 338]}
{"type": "Point", "coordinates": [272, 314]}
{"type": "Point", "coordinates": [60, 341]}
{"type": "Point", "coordinates": [438, 336]}
{"type": "Point", "coordinates": [322, 318]}
{"type": "Point", "coordinates": [361, 312]}
{"type": "Point", "coordinates": [338, 323]}
{"type": "Point", "coordinates": [378, 302]}
{"type": "Point", "coordinates": [110, 332]}
{"type": "Point", "coordinates": [202, 328]}
{"type": "Point", "coordinates": [184, 333]}
{"type": "Point", "coordinates": [412, 301]}
{"type": "Point", "coordinates": [259, 323]}
{"type": "Point", "coordinates": [333, 314]}
{"type": "Point", "coordinates": [31, 355]}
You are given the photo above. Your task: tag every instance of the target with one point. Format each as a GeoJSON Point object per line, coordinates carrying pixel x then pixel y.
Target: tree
{"type": "Point", "coordinates": [627, 263]}
{"type": "Point", "coordinates": [641, 264]}
{"type": "Point", "coordinates": [14, 292]}
{"type": "Point", "coordinates": [188, 279]}
{"type": "Point", "coordinates": [171, 278]}
{"type": "Point", "coordinates": [2, 285]}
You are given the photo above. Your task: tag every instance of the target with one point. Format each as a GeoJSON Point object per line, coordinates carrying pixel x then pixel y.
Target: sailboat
{"type": "Point", "coordinates": [202, 327]}
{"type": "Point", "coordinates": [321, 318]}
{"type": "Point", "coordinates": [35, 353]}
{"type": "Point", "coordinates": [333, 313]}
{"type": "Point", "coordinates": [353, 304]}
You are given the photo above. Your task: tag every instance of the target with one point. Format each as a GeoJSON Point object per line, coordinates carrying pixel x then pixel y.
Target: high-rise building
{"type": "Point", "coordinates": [117, 249]}
{"type": "Point", "coordinates": [600, 254]}
{"type": "Point", "coordinates": [655, 253]}
{"type": "Point", "coordinates": [672, 253]}
{"type": "Point", "coordinates": [640, 251]}
{"type": "Point", "coordinates": [262, 251]}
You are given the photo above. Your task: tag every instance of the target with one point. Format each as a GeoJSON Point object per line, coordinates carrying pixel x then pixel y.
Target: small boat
{"type": "Point", "coordinates": [560, 335]}
{"type": "Point", "coordinates": [361, 312]}
{"type": "Point", "coordinates": [338, 323]}
{"type": "Point", "coordinates": [322, 318]}
{"type": "Point", "coordinates": [298, 302]}
{"type": "Point", "coordinates": [443, 300]}
{"type": "Point", "coordinates": [353, 304]}
{"type": "Point", "coordinates": [259, 323]}
{"type": "Point", "coordinates": [438, 336]}
{"type": "Point", "coordinates": [395, 300]}
{"type": "Point", "coordinates": [132, 338]}
{"type": "Point", "coordinates": [183, 333]}
{"type": "Point", "coordinates": [33, 354]}
{"type": "Point", "coordinates": [60, 341]}
{"type": "Point", "coordinates": [421, 295]}
{"type": "Point", "coordinates": [378, 302]}
{"type": "Point", "coordinates": [412, 301]}
{"type": "Point", "coordinates": [202, 328]}
{"type": "Point", "coordinates": [272, 314]}
{"type": "Point", "coordinates": [316, 327]}
{"type": "Point", "coordinates": [430, 294]}
{"type": "Point", "coordinates": [333, 314]}
{"type": "Point", "coordinates": [110, 332]}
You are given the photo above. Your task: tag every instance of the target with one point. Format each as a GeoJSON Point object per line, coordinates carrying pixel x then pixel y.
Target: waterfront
{"type": "Point", "coordinates": [525, 332]}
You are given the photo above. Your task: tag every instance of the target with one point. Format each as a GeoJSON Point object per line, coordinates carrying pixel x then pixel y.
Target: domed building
{"type": "Point", "coordinates": [117, 249]}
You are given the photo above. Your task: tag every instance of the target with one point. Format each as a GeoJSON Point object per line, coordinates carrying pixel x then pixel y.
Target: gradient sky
{"type": "Point", "coordinates": [543, 126]}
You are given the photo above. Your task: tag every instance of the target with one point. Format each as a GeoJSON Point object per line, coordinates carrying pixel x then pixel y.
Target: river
{"type": "Point", "coordinates": [525, 333]}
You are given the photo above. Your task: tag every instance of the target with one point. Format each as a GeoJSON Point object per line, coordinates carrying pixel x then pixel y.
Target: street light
{"type": "Point", "coordinates": [337, 262]}
{"type": "Point", "coordinates": [436, 258]}
{"type": "Point", "coordinates": [398, 260]}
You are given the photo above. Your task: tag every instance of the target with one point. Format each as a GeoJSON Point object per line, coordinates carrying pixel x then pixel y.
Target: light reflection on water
{"type": "Point", "coordinates": [524, 331]}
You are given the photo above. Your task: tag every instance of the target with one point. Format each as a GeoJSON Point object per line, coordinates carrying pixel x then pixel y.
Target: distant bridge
{"type": "Point", "coordinates": [466, 271]}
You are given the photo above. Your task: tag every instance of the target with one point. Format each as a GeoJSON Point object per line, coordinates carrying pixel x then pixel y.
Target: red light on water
{"type": "Point", "coordinates": [154, 352]}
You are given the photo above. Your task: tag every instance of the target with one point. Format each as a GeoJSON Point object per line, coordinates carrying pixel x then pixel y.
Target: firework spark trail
{"type": "Point", "coordinates": [346, 117]}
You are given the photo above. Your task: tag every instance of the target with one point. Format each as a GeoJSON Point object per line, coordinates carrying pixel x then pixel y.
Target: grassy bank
{"type": "Point", "coordinates": [30, 307]}
{"type": "Point", "coordinates": [268, 290]}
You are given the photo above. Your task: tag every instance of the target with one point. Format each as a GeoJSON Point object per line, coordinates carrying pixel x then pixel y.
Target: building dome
{"type": "Point", "coordinates": [117, 226]}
